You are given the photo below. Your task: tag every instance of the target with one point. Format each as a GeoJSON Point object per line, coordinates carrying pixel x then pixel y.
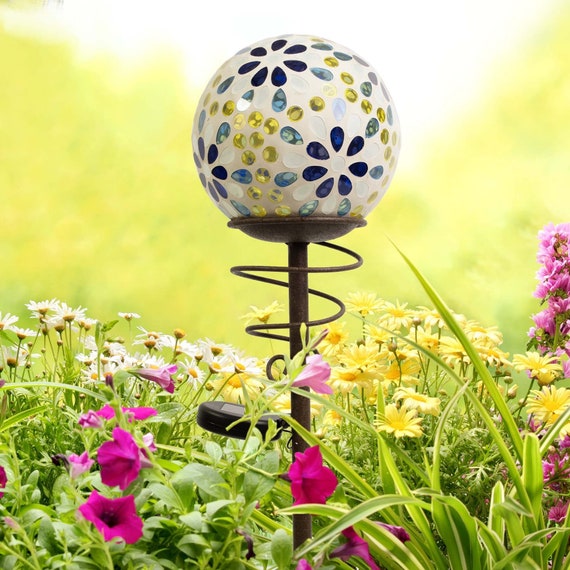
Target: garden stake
{"type": "Point", "coordinates": [296, 139]}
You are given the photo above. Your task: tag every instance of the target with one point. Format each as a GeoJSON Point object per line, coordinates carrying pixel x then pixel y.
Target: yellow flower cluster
{"type": "Point", "coordinates": [385, 357]}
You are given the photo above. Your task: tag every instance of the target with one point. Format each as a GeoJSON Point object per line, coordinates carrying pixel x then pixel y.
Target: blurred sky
{"type": "Point", "coordinates": [433, 56]}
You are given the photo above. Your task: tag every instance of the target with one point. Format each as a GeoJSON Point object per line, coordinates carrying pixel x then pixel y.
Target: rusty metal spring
{"type": "Point", "coordinates": [266, 330]}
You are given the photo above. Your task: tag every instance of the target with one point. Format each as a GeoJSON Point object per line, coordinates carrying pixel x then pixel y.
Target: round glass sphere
{"type": "Point", "coordinates": [296, 126]}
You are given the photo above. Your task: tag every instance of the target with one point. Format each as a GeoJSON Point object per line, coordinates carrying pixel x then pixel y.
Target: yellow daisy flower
{"type": "Point", "coordinates": [396, 316]}
{"type": "Point", "coordinates": [425, 338]}
{"type": "Point", "coordinates": [492, 355]}
{"type": "Point", "coordinates": [403, 370]}
{"type": "Point", "coordinates": [548, 404]}
{"type": "Point", "coordinates": [545, 369]}
{"type": "Point", "coordinates": [232, 386]}
{"type": "Point", "coordinates": [363, 303]}
{"type": "Point", "coordinates": [332, 418]}
{"type": "Point", "coordinates": [489, 336]}
{"type": "Point", "coordinates": [452, 351]}
{"type": "Point", "coordinates": [430, 317]}
{"type": "Point", "coordinates": [364, 356]}
{"type": "Point", "coordinates": [262, 315]}
{"type": "Point", "coordinates": [416, 401]}
{"type": "Point", "coordinates": [378, 334]}
{"type": "Point", "coordinates": [345, 380]}
{"type": "Point", "coordinates": [335, 340]}
{"type": "Point", "coordinates": [401, 422]}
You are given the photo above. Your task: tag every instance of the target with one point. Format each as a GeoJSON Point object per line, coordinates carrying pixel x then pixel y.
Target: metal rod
{"type": "Point", "coordinates": [300, 405]}
{"type": "Point", "coordinates": [297, 285]}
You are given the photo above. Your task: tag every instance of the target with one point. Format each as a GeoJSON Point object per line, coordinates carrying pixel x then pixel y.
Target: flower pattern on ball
{"type": "Point", "coordinates": [318, 151]}
{"type": "Point", "coordinates": [215, 187]}
{"type": "Point", "coordinates": [278, 74]}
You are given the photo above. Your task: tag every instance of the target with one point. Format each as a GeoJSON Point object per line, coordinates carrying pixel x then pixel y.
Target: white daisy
{"type": "Point", "coordinates": [7, 320]}
{"type": "Point", "coordinates": [41, 308]}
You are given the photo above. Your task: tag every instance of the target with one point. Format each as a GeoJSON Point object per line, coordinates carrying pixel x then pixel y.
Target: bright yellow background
{"type": "Point", "coordinates": [101, 206]}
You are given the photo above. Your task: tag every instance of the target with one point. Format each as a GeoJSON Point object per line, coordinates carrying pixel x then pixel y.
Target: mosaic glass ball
{"type": "Point", "coordinates": [296, 125]}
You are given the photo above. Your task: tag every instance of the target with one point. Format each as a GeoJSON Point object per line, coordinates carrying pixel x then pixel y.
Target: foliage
{"type": "Point", "coordinates": [422, 454]}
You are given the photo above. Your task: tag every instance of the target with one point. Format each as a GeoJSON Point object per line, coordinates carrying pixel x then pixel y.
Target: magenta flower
{"type": "Point", "coordinates": [107, 412]}
{"type": "Point", "coordinates": [397, 531]}
{"type": "Point", "coordinates": [79, 464]}
{"type": "Point", "coordinates": [354, 546]}
{"type": "Point", "coordinates": [557, 513]}
{"type": "Point", "coordinates": [90, 420]}
{"type": "Point", "coordinates": [303, 565]}
{"type": "Point", "coordinates": [315, 375]}
{"type": "Point", "coordinates": [148, 440]}
{"type": "Point", "coordinates": [120, 459]}
{"type": "Point", "coordinates": [3, 480]}
{"type": "Point", "coordinates": [162, 376]}
{"type": "Point", "coordinates": [113, 517]}
{"type": "Point", "coordinates": [311, 481]}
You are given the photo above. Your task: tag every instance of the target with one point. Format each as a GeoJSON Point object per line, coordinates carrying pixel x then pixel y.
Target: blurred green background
{"type": "Point", "coordinates": [101, 206]}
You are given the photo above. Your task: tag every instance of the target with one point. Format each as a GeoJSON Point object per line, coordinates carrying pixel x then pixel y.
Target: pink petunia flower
{"type": "Point", "coordinates": [120, 459]}
{"type": "Point", "coordinates": [303, 565]}
{"type": "Point", "coordinates": [311, 481]}
{"type": "Point", "coordinates": [162, 376]}
{"type": "Point", "coordinates": [90, 419]}
{"type": "Point", "coordinates": [113, 517]}
{"type": "Point", "coordinates": [148, 440]}
{"type": "Point", "coordinates": [354, 546]}
{"type": "Point", "coordinates": [315, 375]}
{"type": "Point", "coordinates": [3, 480]}
{"type": "Point", "coordinates": [107, 412]}
{"type": "Point", "coordinates": [78, 464]}
{"type": "Point", "coordinates": [397, 531]}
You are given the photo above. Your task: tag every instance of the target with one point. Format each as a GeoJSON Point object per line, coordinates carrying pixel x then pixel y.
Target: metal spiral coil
{"type": "Point", "coordinates": [266, 330]}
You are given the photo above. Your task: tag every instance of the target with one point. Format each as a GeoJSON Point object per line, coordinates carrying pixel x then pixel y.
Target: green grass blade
{"type": "Point", "coordinates": [533, 479]}
{"type": "Point", "coordinates": [16, 418]}
{"type": "Point", "coordinates": [495, 522]}
{"type": "Point", "coordinates": [387, 545]}
{"type": "Point", "coordinates": [458, 530]}
{"type": "Point", "coordinates": [43, 384]}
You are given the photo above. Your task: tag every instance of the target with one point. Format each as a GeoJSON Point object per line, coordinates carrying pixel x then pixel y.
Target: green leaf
{"type": "Point", "coordinates": [476, 360]}
{"type": "Point", "coordinates": [206, 478]}
{"type": "Point", "coordinates": [47, 537]}
{"type": "Point", "coordinates": [20, 416]}
{"type": "Point", "coordinates": [511, 511]}
{"type": "Point", "coordinates": [458, 531]}
{"type": "Point", "coordinates": [168, 496]}
{"type": "Point", "coordinates": [493, 544]}
{"type": "Point", "coordinates": [533, 480]}
{"type": "Point", "coordinates": [193, 520]}
{"type": "Point", "coordinates": [256, 485]}
{"type": "Point", "coordinates": [496, 523]}
{"type": "Point", "coordinates": [214, 506]}
{"type": "Point", "coordinates": [214, 450]}
{"type": "Point", "coordinates": [282, 549]}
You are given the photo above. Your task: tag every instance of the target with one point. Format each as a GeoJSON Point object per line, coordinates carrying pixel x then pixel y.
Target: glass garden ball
{"type": "Point", "coordinates": [296, 126]}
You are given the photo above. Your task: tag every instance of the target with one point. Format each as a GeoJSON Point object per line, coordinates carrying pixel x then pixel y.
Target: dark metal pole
{"type": "Point", "coordinates": [300, 405]}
